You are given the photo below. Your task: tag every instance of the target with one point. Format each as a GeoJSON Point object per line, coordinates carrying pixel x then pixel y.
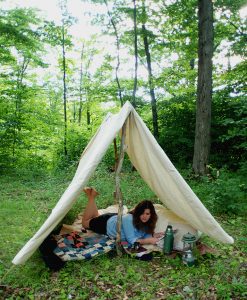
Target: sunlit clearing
{"type": "Point", "coordinates": [108, 104]}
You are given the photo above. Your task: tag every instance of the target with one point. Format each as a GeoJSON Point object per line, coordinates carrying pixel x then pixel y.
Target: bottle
{"type": "Point", "coordinates": [168, 240]}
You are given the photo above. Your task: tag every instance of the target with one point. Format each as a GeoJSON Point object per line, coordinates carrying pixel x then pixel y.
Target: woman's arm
{"type": "Point", "coordinates": [158, 234]}
{"type": "Point", "coordinates": [150, 240]}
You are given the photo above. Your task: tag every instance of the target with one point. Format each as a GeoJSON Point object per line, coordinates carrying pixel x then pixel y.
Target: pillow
{"type": "Point", "coordinates": [167, 217]}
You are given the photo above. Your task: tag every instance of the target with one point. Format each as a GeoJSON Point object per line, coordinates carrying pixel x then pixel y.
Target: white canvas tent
{"type": "Point", "coordinates": [154, 167]}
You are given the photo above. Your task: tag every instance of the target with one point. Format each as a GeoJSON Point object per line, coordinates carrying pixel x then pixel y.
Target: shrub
{"type": "Point", "coordinates": [223, 191]}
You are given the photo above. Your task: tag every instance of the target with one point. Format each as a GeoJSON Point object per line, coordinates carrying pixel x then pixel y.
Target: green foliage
{"type": "Point", "coordinates": [177, 119]}
{"type": "Point", "coordinates": [228, 4]}
{"type": "Point", "coordinates": [31, 115]}
{"type": "Point", "coordinates": [18, 89]}
{"type": "Point", "coordinates": [223, 192]}
{"type": "Point", "coordinates": [229, 132]}
{"type": "Point", "coordinates": [229, 111]}
{"type": "Point", "coordinates": [76, 142]}
{"type": "Point", "coordinates": [17, 30]}
{"type": "Point", "coordinates": [23, 135]}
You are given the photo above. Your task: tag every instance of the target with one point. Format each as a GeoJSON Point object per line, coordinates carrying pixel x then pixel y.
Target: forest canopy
{"type": "Point", "coordinates": [146, 52]}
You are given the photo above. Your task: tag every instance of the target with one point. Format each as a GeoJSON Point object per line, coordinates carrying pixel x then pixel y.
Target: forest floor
{"type": "Point", "coordinates": [27, 200]}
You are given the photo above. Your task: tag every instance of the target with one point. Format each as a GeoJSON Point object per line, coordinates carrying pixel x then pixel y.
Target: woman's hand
{"type": "Point", "coordinates": [154, 240]}
{"type": "Point", "coordinates": [158, 234]}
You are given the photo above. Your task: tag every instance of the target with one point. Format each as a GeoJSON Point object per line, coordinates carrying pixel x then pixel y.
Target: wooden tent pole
{"type": "Point", "coordinates": [116, 154]}
{"type": "Point", "coordinates": [119, 196]}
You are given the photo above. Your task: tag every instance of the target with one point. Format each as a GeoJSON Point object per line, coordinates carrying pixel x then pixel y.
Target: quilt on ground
{"type": "Point", "coordinates": [80, 246]}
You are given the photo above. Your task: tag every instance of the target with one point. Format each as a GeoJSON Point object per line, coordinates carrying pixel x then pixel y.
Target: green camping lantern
{"type": "Point", "coordinates": [189, 241]}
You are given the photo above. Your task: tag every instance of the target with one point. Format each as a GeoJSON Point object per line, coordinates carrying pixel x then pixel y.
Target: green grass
{"type": "Point", "coordinates": [27, 200]}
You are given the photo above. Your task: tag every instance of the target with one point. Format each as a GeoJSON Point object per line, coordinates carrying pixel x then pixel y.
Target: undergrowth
{"type": "Point", "coordinates": [27, 200]}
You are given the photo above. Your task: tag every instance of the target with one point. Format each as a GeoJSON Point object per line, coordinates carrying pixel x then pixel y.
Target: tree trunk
{"type": "Point", "coordinates": [204, 87]}
{"type": "Point", "coordinates": [150, 81]}
{"type": "Point", "coordinates": [74, 111]}
{"type": "Point", "coordinates": [81, 76]}
{"type": "Point", "coordinates": [88, 93]}
{"type": "Point", "coordinates": [64, 94]}
{"type": "Point", "coordinates": [118, 50]}
{"type": "Point", "coordinates": [88, 116]}
{"type": "Point", "coordinates": [136, 55]}
{"type": "Point", "coordinates": [18, 103]}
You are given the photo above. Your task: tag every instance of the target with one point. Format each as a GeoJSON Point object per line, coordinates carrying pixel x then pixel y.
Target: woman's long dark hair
{"type": "Point", "coordinates": [149, 226]}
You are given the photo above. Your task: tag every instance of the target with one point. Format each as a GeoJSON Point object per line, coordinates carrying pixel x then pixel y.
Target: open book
{"type": "Point", "coordinates": [138, 252]}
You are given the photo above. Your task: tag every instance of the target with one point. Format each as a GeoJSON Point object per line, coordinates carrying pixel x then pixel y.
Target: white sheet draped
{"type": "Point", "coordinates": [152, 164]}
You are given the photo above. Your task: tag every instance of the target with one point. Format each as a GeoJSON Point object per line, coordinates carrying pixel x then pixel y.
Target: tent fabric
{"type": "Point", "coordinates": [165, 181]}
{"type": "Point", "coordinates": [154, 167]}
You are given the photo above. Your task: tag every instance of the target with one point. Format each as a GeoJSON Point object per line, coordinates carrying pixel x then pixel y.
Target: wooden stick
{"type": "Point", "coordinates": [119, 196]}
{"type": "Point", "coordinates": [116, 154]}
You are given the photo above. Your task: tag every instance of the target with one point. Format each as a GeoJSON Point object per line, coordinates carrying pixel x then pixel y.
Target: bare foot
{"type": "Point", "coordinates": [90, 192]}
{"type": "Point", "coordinates": [94, 193]}
{"type": "Point", "coordinates": [87, 190]}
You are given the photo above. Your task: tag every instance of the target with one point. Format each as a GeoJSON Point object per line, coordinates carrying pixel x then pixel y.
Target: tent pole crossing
{"type": "Point", "coordinates": [119, 196]}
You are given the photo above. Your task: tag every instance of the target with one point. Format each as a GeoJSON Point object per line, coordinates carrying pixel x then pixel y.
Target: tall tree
{"type": "Point", "coordinates": [20, 91]}
{"type": "Point", "coordinates": [67, 21]}
{"type": "Point", "coordinates": [204, 87]}
{"type": "Point", "coordinates": [113, 23]}
{"type": "Point", "coordinates": [150, 74]}
{"type": "Point", "coordinates": [64, 90]}
{"type": "Point", "coordinates": [63, 8]}
{"type": "Point", "coordinates": [136, 52]}
{"type": "Point", "coordinates": [87, 84]}
{"type": "Point", "coordinates": [81, 85]}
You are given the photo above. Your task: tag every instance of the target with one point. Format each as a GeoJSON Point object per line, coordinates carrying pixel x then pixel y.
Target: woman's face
{"type": "Point", "coordinates": [145, 216]}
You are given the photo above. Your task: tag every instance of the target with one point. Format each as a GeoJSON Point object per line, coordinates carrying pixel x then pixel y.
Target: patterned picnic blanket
{"type": "Point", "coordinates": [80, 246]}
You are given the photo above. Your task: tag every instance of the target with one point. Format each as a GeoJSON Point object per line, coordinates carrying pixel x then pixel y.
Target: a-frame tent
{"type": "Point", "coordinates": [154, 167]}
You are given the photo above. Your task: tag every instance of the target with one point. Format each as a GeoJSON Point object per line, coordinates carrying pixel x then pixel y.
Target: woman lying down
{"type": "Point", "coordinates": [137, 226]}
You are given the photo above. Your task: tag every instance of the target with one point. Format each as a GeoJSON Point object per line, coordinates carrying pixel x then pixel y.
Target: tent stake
{"type": "Point", "coordinates": [119, 195]}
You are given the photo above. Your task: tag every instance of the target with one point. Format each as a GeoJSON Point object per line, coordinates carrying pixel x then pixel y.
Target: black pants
{"type": "Point", "coordinates": [98, 224]}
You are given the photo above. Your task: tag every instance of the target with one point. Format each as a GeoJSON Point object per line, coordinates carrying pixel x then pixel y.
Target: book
{"type": "Point", "coordinates": [138, 252]}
